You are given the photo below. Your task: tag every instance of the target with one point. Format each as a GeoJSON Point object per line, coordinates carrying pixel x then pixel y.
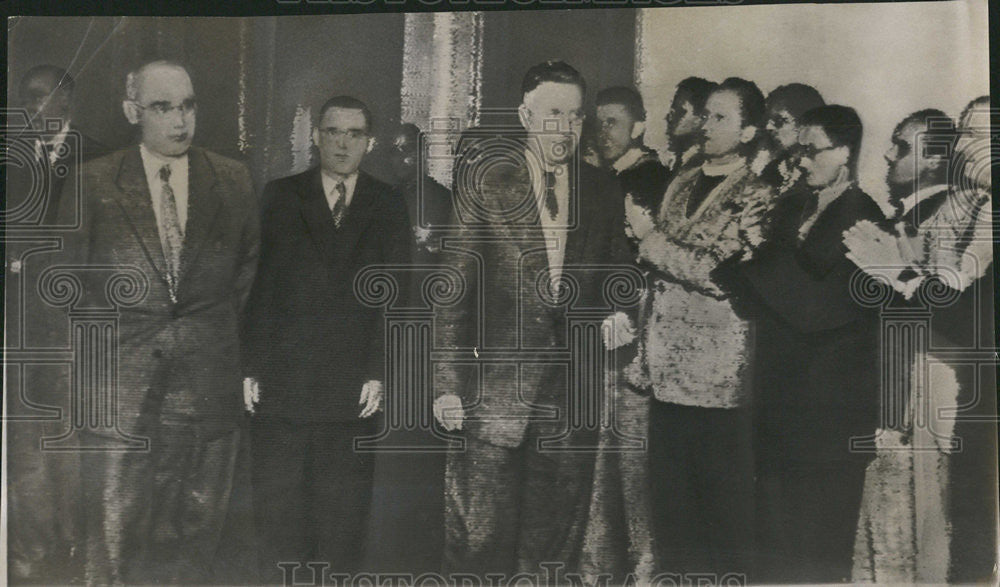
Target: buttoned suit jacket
{"type": "Point", "coordinates": [310, 338]}
{"type": "Point", "coordinates": [178, 361]}
{"type": "Point", "coordinates": [502, 259]}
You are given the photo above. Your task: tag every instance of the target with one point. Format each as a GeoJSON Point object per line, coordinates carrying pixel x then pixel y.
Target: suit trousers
{"type": "Point", "coordinates": [312, 495]}
{"type": "Point", "coordinates": [701, 481]}
{"type": "Point", "coordinates": [179, 513]}
{"type": "Point", "coordinates": [508, 510]}
{"type": "Point", "coordinates": [807, 520]}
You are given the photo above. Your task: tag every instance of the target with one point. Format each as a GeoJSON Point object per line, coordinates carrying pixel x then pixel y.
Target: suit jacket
{"type": "Point", "coordinates": [309, 339]}
{"type": "Point", "coordinates": [504, 263]}
{"type": "Point", "coordinates": [177, 361]}
{"type": "Point", "coordinates": [817, 350]}
{"type": "Point", "coordinates": [696, 348]}
{"type": "Point", "coordinates": [38, 185]}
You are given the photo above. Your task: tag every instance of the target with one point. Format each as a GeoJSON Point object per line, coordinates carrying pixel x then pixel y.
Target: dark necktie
{"type": "Point", "coordinates": [171, 232]}
{"type": "Point", "coordinates": [340, 206]}
{"type": "Point", "coordinates": [551, 204]}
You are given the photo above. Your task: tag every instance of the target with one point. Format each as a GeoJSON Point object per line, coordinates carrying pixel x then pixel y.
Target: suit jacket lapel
{"type": "Point", "coordinates": [359, 215]}
{"type": "Point", "coordinates": [316, 214]}
{"type": "Point", "coordinates": [203, 208]}
{"type": "Point", "coordinates": [135, 200]}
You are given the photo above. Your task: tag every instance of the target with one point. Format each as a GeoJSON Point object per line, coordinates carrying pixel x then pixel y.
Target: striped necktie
{"type": "Point", "coordinates": [340, 206]}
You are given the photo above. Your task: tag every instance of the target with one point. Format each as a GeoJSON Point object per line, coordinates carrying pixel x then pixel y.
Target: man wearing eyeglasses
{"type": "Point", "coordinates": [816, 369]}
{"type": "Point", "coordinates": [316, 352]}
{"type": "Point", "coordinates": [186, 218]}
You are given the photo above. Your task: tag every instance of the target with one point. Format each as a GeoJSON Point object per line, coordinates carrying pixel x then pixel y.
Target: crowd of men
{"type": "Point", "coordinates": [747, 359]}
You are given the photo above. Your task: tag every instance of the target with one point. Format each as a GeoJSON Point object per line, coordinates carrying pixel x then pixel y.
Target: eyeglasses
{"type": "Point", "coordinates": [186, 107]}
{"type": "Point", "coordinates": [353, 134]}
{"type": "Point", "coordinates": [780, 121]}
{"type": "Point", "coordinates": [811, 152]}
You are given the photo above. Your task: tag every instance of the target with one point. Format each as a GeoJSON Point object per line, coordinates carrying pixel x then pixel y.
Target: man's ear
{"type": "Point", "coordinates": [524, 115]}
{"type": "Point", "coordinates": [371, 144]}
{"type": "Point", "coordinates": [315, 137]}
{"type": "Point", "coordinates": [638, 127]}
{"type": "Point", "coordinates": [748, 133]}
{"type": "Point", "coordinates": [131, 110]}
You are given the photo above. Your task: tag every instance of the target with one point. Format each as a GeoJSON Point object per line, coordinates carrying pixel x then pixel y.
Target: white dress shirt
{"type": "Point", "coordinates": [554, 229]}
{"type": "Point", "coordinates": [330, 191]}
{"type": "Point", "coordinates": [152, 163]}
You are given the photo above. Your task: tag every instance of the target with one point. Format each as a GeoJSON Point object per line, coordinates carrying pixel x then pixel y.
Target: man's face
{"type": "Point", "coordinates": [342, 139]}
{"type": "Point", "coordinates": [164, 109]}
{"type": "Point", "coordinates": [682, 120]}
{"type": "Point", "coordinates": [782, 128]}
{"type": "Point", "coordinates": [43, 99]}
{"type": "Point", "coordinates": [905, 164]}
{"type": "Point", "coordinates": [553, 115]}
{"type": "Point", "coordinates": [618, 131]}
{"type": "Point", "coordinates": [723, 129]}
{"type": "Point", "coordinates": [823, 164]}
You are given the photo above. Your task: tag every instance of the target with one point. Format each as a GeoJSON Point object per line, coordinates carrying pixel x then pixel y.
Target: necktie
{"type": "Point", "coordinates": [809, 208]}
{"type": "Point", "coordinates": [551, 204]}
{"type": "Point", "coordinates": [340, 206]}
{"type": "Point", "coordinates": [171, 232]}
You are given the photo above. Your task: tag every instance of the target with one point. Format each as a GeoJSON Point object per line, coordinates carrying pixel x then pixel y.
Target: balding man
{"type": "Point", "coordinates": [186, 218]}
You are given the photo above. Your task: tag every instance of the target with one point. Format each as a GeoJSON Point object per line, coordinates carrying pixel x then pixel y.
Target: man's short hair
{"type": "Point", "coordinates": [64, 81]}
{"type": "Point", "coordinates": [695, 90]}
{"type": "Point", "coordinates": [625, 96]}
{"type": "Point", "coordinates": [554, 71]}
{"type": "Point", "coordinates": [133, 77]}
{"type": "Point", "coordinates": [349, 103]}
{"type": "Point", "coordinates": [980, 103]}
{"type": "Point", "coordinates": [842, 125]}
{"type": "Point", "coordinates": [752, 110]}
{"type": "Point", "coordinates": [796, 99]}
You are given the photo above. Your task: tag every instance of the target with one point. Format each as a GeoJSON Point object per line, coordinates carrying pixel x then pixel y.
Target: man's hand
{"type": "Point", "coordinates": [449, 412]}
{"type": "Point", "coordinates": [371, 397]}
{"type": "Point", "coordinates": [251, 393]}
{"type": "Point", "coordinates": [638, 220]}
{"type": "Point", "coordinates": [870, 247]}
{"type": "Point", "coordinates": [617, 330]}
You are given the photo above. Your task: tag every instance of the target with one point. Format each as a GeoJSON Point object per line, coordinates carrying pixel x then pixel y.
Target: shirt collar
{"type": "Point", "coordinates": [628, 159]}
{"type": "Point", "coordinates": [722, 169]}
{"type": "Point", "coordinates": [920, 195]}
{"type": "Point", "coordinates": [153, 162]}
{"type": "Point", "coordinates": [329, 183]}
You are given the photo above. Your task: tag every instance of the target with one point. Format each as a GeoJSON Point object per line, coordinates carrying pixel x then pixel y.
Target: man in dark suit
{"type": "Point", "coordinates": [428, 203]}
{"type": "Point", "coordinates": [186, 218]}
{"type": "Point", "coordinates": [315, 348]}
{"type": "Point", "coordinates": [816, 365]}
{"type": "Point", "coordinates": [621, 117]}
{"type": "Point", "coordinates": [43, 156]}
{"type": "Point", "coordinates": [540, 223]}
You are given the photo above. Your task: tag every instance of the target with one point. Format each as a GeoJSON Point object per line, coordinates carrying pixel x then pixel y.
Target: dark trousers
{"type": "Point", "coordinates": [180, 513]}
{"type": "Point", "coordinates": [701, 480]}
{"type": "Point", "coordinates": [312, 494]}
{"type": "Point", "coordinates": [807, 519]}
{"type": "Point", "coordinates": [507, 510]}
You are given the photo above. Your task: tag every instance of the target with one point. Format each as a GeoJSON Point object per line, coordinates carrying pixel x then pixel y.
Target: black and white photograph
{"type": "Point", "coordinates": [500, 294]}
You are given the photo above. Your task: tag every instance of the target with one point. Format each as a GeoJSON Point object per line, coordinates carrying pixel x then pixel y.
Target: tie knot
{"type": "Point", "coordinates": [165, 173]}
{"type": "Point", "coordinates": [341, 189]}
